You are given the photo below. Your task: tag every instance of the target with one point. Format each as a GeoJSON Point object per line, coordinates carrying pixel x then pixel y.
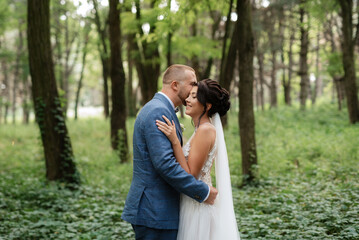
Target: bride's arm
{"type": "Point", "coordinates": [200, 146]}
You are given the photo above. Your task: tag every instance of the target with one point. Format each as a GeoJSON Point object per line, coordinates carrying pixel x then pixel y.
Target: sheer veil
{"type": "Point", "coordinates": [224, 203]}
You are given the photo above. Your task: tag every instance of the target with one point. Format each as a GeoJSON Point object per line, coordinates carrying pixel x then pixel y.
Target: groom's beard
{"type": "Point", "coordinates": [183, 98]}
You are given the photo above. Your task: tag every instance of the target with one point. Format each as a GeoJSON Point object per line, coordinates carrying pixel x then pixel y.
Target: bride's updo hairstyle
{"type": "Point", "coordinates": [209, 91]}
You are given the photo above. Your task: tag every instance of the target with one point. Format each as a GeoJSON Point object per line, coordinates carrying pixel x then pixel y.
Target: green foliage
{"type": "Point", "coordinates": [335, 64]}
{"type": "Point", "coordinates": [122, 148]}
{"type": "Point", "coordinates": [319, 9]}
{"type": "Point", "coordinates": [40, 114]}
{"type": "Point", "coordinates": [297, 206]}
{"type": "Point", "coordinates": [193, 46]}
{"type": "Point", "coordinates": [53, 212]}
{"type": "Point", "coordinates": [4, 15]}
{"type": "Point", "coordinates": [128, 23]}
{"type": "Point", "coordinates": [308, 187]}
{"type": "Point", "coordinates": [62, 99]}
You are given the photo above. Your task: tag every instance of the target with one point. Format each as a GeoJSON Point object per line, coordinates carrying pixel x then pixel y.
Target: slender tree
{"type": "Point", "coordinates": [318, 79]}
{"type": "Point", "coordinates": [216, 19]}
{"type": "Point", "coordinates": [228, 57]}
{"type": "Point", "coordinates": [282, 19]}
{"type": "Point", "coordinates": [348, 60]}
{"type": "Point", "coordinates": [260, 47]}
{"type": "Point", "coordinates": [169, 36]}
{"type": "Point", "coordinates": [118, 113]}
{"type": "Point", "coordinates": [67, 46]}
{"type": "Point", "coordinates": [147, 60]}
{"type": "Point", "coordinates": [260, 58]}
{"type": "Point", "coordinates": [303, 71]}
{"type": "Point", "coordinates": [26, 89]}
{"type": "Point", "coordinates": [5, 98]}
{"type": "Point", "coordinates": [246, 115]}
{"type": "Point", "coordinates": [273, 42]}
{"type": "Point", "coordinates": [335, 66]}
{"type": "Point", "coordinates": [59, 157]}
{"type": "Point", "coordinates": [229, 67]}
{"type": "Point", "coordinates": [17, 72]}
{"type": "Point", "coordinates": [105, 56]}
{"type": "Point", "coordinates": [131, 93]}
{"type": "Point", "coordinates": [84, 53]}
{"type": "Point", "coordinates": [287, 84]}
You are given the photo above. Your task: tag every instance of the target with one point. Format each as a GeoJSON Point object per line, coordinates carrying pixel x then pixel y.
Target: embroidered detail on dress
{"type": "Point", "coordinates": [205, 174]}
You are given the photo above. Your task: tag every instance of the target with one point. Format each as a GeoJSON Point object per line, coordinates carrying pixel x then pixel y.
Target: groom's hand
{"type": "Point", "coordinates": [212, 195]}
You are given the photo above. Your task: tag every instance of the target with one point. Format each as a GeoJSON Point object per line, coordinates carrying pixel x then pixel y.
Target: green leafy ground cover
{"type": "Point", "coordinates": [308, 188]}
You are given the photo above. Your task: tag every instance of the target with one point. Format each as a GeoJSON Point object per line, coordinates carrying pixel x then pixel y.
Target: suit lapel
{"type": "Point", "coordinates": [178, 128]}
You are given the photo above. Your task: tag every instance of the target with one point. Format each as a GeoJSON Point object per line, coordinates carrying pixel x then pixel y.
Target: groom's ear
{"type": "Point", "coordinates": [174, 85]}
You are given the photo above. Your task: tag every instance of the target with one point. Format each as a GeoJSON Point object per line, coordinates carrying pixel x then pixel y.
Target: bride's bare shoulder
{"type": "Point", "coordinates": [206, 128]}
{"type": "Point", "coordinates": [205, 133]}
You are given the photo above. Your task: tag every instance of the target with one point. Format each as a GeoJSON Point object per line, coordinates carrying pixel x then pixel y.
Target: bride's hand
{"type": "Point", "coordinates": [168, 129]}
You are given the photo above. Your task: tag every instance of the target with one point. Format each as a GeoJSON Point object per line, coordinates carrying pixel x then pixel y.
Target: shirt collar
{"type": "Point", "coordinates": [168, 99]}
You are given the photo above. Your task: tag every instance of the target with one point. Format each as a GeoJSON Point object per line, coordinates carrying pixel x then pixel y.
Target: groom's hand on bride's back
{"type": "Point", "coordinates": [212, 195]}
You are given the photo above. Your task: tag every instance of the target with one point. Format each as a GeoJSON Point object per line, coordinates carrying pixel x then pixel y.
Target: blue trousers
{"type": "Point", "coordinates": [146, 233]}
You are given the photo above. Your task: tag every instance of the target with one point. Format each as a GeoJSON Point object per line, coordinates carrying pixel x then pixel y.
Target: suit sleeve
{"type": "Point", "coordinates": [164, 161]}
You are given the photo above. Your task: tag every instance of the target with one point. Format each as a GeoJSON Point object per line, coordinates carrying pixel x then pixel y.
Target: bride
{"type": "Point", "coordinates": [199, 221]}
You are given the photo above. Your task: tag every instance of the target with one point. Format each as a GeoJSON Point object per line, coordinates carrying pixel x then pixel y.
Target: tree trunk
{"type": "Point", "coordinates": [105, 73]}
{"type": "Point", "coordinates": [356, 38]}
{"type": "Point", "coordinates": [102, 47]}
{"type": "Point", "coordinates": [282, 19]}
{"type": "Point", "coordinates": [260, 57]}
{"type": "Point", "coordinates": [227, 72]}
{"type": "Point", "coordinates": [303, 71]}
{"type": "Point", "coordinates": [273, 39]}
{"type": "Point", "coordinates": [273, 84]}
{"type": "Point", "coordinates": [118, 113]}
{"type": "Point", "coordinates": [246, 114]}
{"type": "Point", "coordinates": [207, 71]}
{"type": "Point", "coordinates": [26, 89]}
{"type": "Point", "coordinates": [131, 94]}
{"type": "Point", "coordinates": [318, 80]}
{"type": "Point", "coordinates": [59, 157]}
{"type": "Point", "coordinates": [287, 85]}
{"type": "Point", "coordinates": [337, 80]}
{"type": "Point", "coordinates": [216, 17]}
{"type": "Point", "coordinates": [17, 73]}
{"type": "Point", "coordinates": [5, 92]}
{"type": "Point", "coordinates": [79, 85]}
{"type": "Point", "coordinates": [169, 38]}
{"type": "Point", "coordinates": [65, 80]}
{"type": "Point", "coordinates": [194, 59]}
{"type": "Point", "coordinates": [224, 45]}
{"type": "Point", "coordinates": [348, 60]}
{"type": "Point", "coordinates": [169, 49]}
{"type": "Point", "coordinates": [26, 99]}
{"type": "Point", "coordinates": [58, 56]}
{"type": "Point", "coordinates": [147, 61]}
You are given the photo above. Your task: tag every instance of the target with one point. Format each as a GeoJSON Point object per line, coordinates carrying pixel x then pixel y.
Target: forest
{"type": "Point", "coordinates": [75, 73]}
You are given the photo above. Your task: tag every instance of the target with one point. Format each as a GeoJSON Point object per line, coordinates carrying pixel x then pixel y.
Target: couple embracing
{"type": "Point", "coordinates": [171, 194]}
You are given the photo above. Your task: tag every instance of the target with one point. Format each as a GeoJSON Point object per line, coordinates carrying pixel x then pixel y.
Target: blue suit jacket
{"type": "Point", "coordinates": [153, 199]}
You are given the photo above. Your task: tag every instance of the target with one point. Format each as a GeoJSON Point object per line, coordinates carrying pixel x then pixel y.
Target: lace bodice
{"type": "Point", "coordinates": [205, 174]}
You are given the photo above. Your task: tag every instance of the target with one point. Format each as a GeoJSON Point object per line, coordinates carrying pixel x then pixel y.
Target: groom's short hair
{"type": "Point", "coordinates": [176, 72]}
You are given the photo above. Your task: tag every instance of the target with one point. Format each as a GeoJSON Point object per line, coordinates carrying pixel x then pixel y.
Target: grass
{"type": "Point", "coordinates": [308, 187]}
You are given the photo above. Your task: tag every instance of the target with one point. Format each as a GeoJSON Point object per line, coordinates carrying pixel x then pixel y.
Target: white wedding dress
{"type": "Point", "coordinates": [201, 221]}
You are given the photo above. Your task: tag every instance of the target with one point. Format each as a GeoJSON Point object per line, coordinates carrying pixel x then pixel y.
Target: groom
{"type": "Point", "coordinates": [152, 204]}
